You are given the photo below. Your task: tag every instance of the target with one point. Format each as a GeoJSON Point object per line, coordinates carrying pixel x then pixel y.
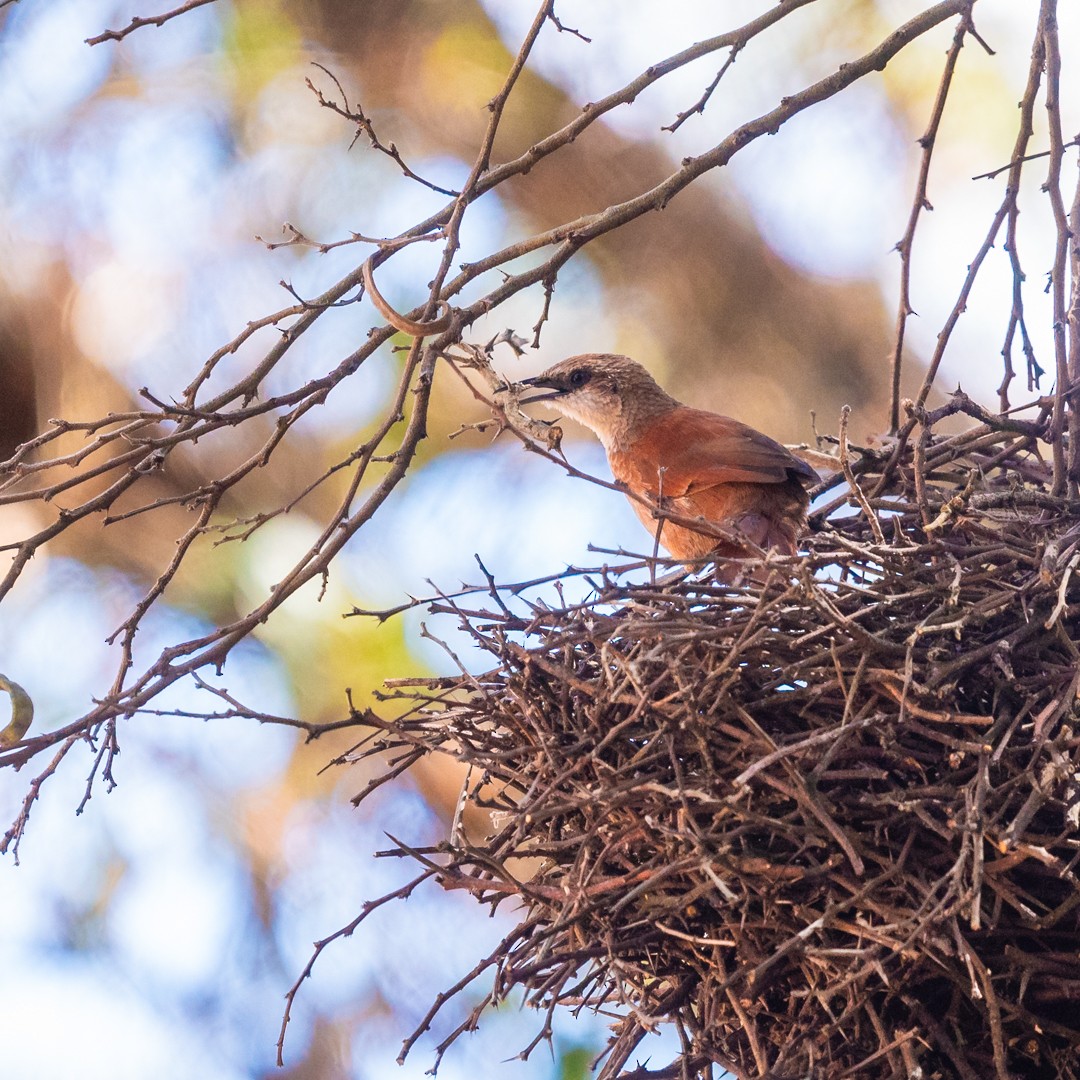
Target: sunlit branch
{"type": "Point", "coordinates": [920, 203]}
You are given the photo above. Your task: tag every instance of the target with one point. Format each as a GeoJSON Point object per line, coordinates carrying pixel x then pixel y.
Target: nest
{"type": "Point", "coordinates": [823, 825]}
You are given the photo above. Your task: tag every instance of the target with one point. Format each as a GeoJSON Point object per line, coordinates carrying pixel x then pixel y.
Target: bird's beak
{"type": "Point", "coordinates": [556, 389]}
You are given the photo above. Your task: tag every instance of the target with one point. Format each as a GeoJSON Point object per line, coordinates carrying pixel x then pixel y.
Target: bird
{"type": "Point", "coordinates": [705, 468]}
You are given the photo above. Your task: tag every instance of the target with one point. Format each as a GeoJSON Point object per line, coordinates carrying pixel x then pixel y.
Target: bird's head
{"type": "Point", "coordinates": [609, 394]}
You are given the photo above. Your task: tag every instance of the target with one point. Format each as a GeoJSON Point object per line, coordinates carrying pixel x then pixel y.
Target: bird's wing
{"type": "Point", "coordinates": [698, 450]}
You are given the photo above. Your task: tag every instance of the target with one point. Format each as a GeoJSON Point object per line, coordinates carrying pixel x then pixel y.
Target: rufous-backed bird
{"type": "Point", "coordinates": [690, 462]}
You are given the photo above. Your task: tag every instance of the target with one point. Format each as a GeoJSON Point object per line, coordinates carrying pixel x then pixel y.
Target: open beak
{"type": "Point", "coordinates": [555, 389]}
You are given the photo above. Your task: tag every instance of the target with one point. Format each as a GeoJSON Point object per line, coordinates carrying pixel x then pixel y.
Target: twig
{"type": "Point", "coordinates": [1066, 476]}
{"type": "Point", "coordinates": [853, 484]}
{"type": "Point", "coordinates": [920, 203]}
{"type": "Point", "coordinates": [151, 20]}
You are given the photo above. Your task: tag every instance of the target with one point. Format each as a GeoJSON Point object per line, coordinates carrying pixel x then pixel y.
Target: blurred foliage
{"type": "Point", "coordinates": [574, 1064]}
{"type": "Point", "coordinates": [259, 41]}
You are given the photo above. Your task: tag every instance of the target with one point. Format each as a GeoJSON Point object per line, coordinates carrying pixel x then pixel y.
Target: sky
{"type": "Point", "coordinates": [135, 928]}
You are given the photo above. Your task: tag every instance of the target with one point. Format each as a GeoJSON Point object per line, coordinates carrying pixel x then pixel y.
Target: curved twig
{"type": "Point", "coordinates": [22, 712]}
{"type": "Point", "coordinates": [413, 327]}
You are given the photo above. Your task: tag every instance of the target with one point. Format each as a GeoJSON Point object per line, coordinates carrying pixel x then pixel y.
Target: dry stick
{"type": "Point", "coordinates": [977, 824]}
{"type": "Point", "coordinates": [699, 106]}
{"type": "Point", "coordinates": [151, 20]}
{"type": "Point", "coordinates": [1074, 327]}
{"type": "Point", "coordinates": [1012, 191]}
{"type": "Point", "coordinates": [346, 931]}
{"type": "Point", "coordinates": [481, 166]}
{"type": "Point", "coordinates": [10, 839]}
{"type": "Point", "coordinates": [884, 1050]}
{"type": "Point", "coordinates": [954, 1053]}
{"type": "Point", "coordinates": [920, 470]}
{"type": "Point", "coordinates": [920, 203]}
{"type": "Point", "coordinates": [1008, 209]}
{"type": "Point", "coordinates": [659, 522]}
{"type": "Point", "coordinates": [138, 456]}
{"type": "Point", "coordinates": [363, 126]}
{"type": "Point", "coordinates": [916, 26]}
{"type": "Point", "coordinates": [19, 468]}
{"type": "Point", "coordinates": [745, 1021]}
{"type": "Point", "coordinates": [1001, 1065]}
{"type": "Point", "coordinates": [190, 393]}
{"type": "Point", "coordinates": [1027, 157]}
{"type": "Point", "coordinates": [829, 736]}
{"type": "Point", "coordinates": [856, 490]}
{"type": "Point", "coordinates": [573, 235]}
{"type": "Point", "coordinates": [943, 338]}
{"type": "Point", "coordinates": [544, 434]}
{"type": "Point", "coordinates": [1065, 480]}
{"type": "Point", "coordinates": [131, 623]}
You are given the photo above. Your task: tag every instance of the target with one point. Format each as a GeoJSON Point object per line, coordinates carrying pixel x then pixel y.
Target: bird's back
{"type": "Point", "coordinates": [701, 464]}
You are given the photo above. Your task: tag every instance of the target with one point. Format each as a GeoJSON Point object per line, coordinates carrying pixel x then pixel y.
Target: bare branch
{"type": "Point", "coordinates": [412, 327]}
{"type": "Point", "coordinates": [920, 203]}
{"type": "Point", "coordinates": [1065, 475]}
{"type": "Point", "coordinates": [151, 20]}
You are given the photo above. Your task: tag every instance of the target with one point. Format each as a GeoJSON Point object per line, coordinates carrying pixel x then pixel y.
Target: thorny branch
{"type": "Point", "coordinates": [365, 127]}
{"type": "Point", "coordinates": [1045, 39]}
{"type": "Point", "coordinates": [1064, 478]}
{"type": "Point", "coordinates": [150, 20]}
{"type": "Point", "coordinates": [921, 203]}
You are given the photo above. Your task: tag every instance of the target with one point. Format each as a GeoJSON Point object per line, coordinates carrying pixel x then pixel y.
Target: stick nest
{"type": "Point", "coordinates": [824, 825]}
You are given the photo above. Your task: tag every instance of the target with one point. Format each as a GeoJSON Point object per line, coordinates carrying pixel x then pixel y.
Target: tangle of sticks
{"type": "Point", "coordinates": [822, 826]}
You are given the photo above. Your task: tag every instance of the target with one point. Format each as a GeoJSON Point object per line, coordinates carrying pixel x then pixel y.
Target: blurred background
{"type": "Point", "coordinates": [156, 932]}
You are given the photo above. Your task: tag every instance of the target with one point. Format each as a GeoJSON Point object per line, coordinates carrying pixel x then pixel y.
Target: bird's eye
{"type": "Point", "coordinates": [579, 377]}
